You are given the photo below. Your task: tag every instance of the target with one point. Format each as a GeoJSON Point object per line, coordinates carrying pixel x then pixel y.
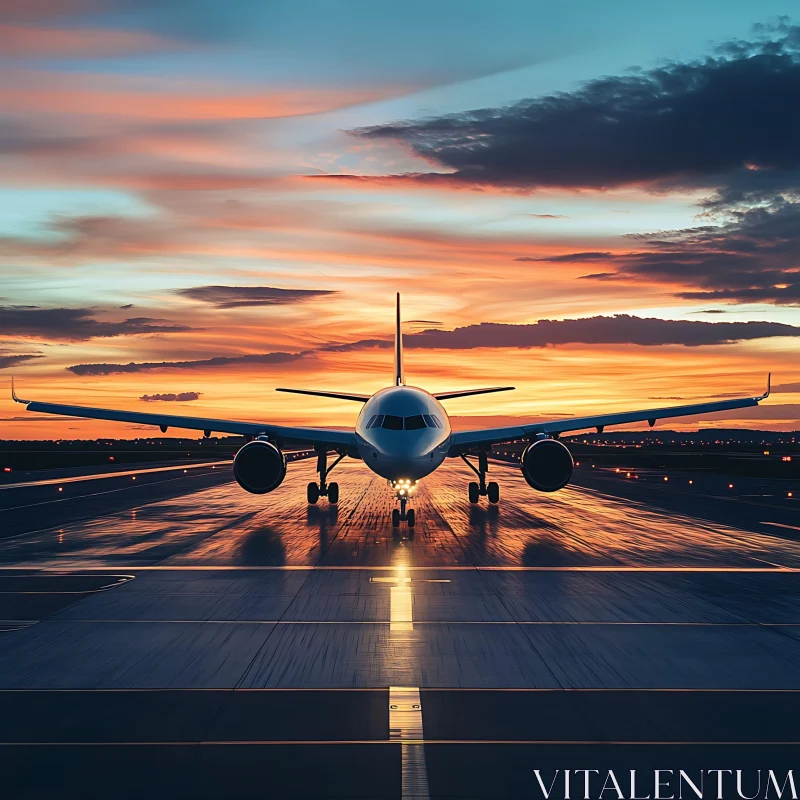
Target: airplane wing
{"type": "Point", "coordinates": [462, 441]}
{"type": "Point", "coordinates": [330, 437]}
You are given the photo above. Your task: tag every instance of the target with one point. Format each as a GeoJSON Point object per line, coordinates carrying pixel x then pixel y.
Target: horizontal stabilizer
{"type": "Point", "coordinates": [468, 392]}
{"type": "Point", "coordinates": [358, 398]}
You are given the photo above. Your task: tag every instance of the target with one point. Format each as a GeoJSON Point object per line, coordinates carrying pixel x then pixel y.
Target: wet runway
{"type": "Point", "coordinates": [204, 642]}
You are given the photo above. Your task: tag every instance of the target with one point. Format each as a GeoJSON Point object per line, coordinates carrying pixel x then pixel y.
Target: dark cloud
{"type": "Point", "coordinates": [424, 321]}
{"type": "Point", "coordinates": [619, 329]}
{"type": "Point", "coordinates": [75, 324]}
{"type": "Point", "coordinates": [126, 306]}
{"type": "Point", "coordinates": [12, 360]}
{"type": "Point", "coordinates": [219, 361]}
{"type": "Point", "coordinates": [181, 397]}
{"type": "Point", "coordinates": [727, 124]}
{"type": "Point", "coordinates": [787, 387]}
{"type": "Point", "coordinates": [570, 257]}
{"type": "Point", "coordinates": [754, 257]}
{"type": "Point", "coordinates": [679, 124]}
{"type": "Point", "coordinates": [549, 216]}
{"type": "Point", "coordinates": [237, 296]}
{"type": "Point", "coordinates": [361, 344]}
{"type": "Point", "coordinates": [599, 276]}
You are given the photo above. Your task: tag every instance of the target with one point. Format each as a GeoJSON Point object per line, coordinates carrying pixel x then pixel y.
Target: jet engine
{"type": "Point", "coordinates": [547, 465]}
{"type": "Point", "coordinates": [259, 467]}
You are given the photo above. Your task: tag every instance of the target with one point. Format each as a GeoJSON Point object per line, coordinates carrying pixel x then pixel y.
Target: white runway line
{"type": "Point", "coordinates": [96, 476]}
{"type": "Point", "coordinates": [405, 726]}
{"type": "Point", "coordinates": [781, 525]}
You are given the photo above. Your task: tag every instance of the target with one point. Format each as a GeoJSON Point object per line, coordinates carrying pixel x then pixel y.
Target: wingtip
{"type": "Point", "coordinates": [14, 394]}
{"type": "Point", "coordinates": [769, 388]}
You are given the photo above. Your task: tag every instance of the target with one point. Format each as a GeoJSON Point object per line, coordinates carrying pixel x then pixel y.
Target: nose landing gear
{"type": "Point", "coordinates": [323, 489]}
{"type": "Point", "coordinates": [403, 514]}
{"type": "Point", "coordinates": [480, 489]}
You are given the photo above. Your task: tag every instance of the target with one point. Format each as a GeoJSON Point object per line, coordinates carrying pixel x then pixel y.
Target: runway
{"type": "Point", "coordinates": [191, 640]}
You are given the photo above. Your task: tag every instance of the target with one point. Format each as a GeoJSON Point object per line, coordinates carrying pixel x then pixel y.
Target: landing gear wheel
{"type": "Point", "coordinates": [474, 492]}
{"type": "Point", "coordinates": [333, 493]}
{"type": "Point", "coordinates": [493, 492]}
{"type": "Point", "coordinates": [312, 493]}
{"type": "Point", "coordinates": [410, 519]}
{"type": "Point", "coordinates": [395, 518]}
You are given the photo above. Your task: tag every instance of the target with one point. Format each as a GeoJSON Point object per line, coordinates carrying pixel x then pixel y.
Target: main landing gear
{"type": "Point", "coordinates": [323, 489]}
{"type": "Point", "coordinates": [489, 490]}
{"type": "Point", "coordinates": [403, 490]}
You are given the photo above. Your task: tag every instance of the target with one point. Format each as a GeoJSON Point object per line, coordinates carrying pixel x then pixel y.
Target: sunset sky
{"type": "Point", "coordinates": [598, 203]}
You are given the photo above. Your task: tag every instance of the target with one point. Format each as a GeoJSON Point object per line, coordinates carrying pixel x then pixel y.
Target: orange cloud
{"type": "Point", "coordinates": [41, 92]}
{"type": "Point", "coordinates": [27, 41]}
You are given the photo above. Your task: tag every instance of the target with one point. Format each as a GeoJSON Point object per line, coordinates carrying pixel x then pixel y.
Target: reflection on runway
{"type": "Point", "coordinates": [226, 526]}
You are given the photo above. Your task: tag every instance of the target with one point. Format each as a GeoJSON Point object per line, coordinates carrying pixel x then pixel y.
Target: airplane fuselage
{"type": "Point", "coordinates": [403, 433]}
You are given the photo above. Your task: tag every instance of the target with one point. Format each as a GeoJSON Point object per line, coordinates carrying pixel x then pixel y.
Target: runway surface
{"type": "Point", "coordinates": [186, 639]}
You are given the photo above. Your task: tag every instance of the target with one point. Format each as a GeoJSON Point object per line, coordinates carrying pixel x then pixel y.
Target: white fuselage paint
{"type": "Point", "coordinates": [404, 454]}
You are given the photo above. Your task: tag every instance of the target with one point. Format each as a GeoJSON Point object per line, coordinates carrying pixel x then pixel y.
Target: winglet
{"type": "Point", "coordinates": [769, 383]}
{"type": "Point", "coordinates": [14, 394]}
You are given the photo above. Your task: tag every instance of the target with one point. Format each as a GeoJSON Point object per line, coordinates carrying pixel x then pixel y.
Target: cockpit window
{"type": "Point", "coordinates": [415, 422]}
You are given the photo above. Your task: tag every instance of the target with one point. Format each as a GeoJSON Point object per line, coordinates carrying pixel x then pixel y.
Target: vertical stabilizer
{"type": "Point", "coordinates": [399, 376]}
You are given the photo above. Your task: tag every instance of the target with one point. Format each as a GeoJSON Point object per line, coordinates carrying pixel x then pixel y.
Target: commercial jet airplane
{"type": "Point", "coordinates": [402, 434]}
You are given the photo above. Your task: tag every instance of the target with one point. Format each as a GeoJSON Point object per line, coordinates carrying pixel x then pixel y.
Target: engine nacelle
{"type": "Point", "coordinates": [259, 467]}
{"type": "Point", "coordinates": [547, 465]}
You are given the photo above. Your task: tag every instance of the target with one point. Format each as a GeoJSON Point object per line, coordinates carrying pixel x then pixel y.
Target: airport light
{"type": "Point", "coordinates": [691, 482]}
{"type": "Point", "coordinates": [7, 469]}
{"type": "Point", "coordinates": [790, 494]}
{"type": "Point", "coordinates": [134, 477]}
{"type": "Point", "coordinates": [730, 486]}
{"type": "Point", "coordinates": [666, 478]}
{"type": "Point", "coordinates": [60, 488]}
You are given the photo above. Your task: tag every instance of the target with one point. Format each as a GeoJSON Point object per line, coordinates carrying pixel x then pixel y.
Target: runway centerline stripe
{"type": "Point", "coordinates": [405, 726]}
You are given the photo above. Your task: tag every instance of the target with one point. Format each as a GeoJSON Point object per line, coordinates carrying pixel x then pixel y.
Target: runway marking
{"type": "Point", "coordinates": [409, 742]}
{"type": "Point", "coordinates": [60, 570]}
{"type": "Point", "coordinates": [408, 625]}
{"type": "Point", "coordinates": [781, 525]}
{"type": "Point", "coordinates": [405, 726]}
{"type": "Point", "coordinates": [96, 476]}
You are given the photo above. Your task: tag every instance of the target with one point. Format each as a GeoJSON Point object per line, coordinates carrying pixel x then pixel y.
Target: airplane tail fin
{"type": "Point", "coordinates": [399, 375]}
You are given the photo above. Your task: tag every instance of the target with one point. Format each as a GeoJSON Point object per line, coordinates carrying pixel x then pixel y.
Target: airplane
{"type": "Point", "coordinates": [402, 434]}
